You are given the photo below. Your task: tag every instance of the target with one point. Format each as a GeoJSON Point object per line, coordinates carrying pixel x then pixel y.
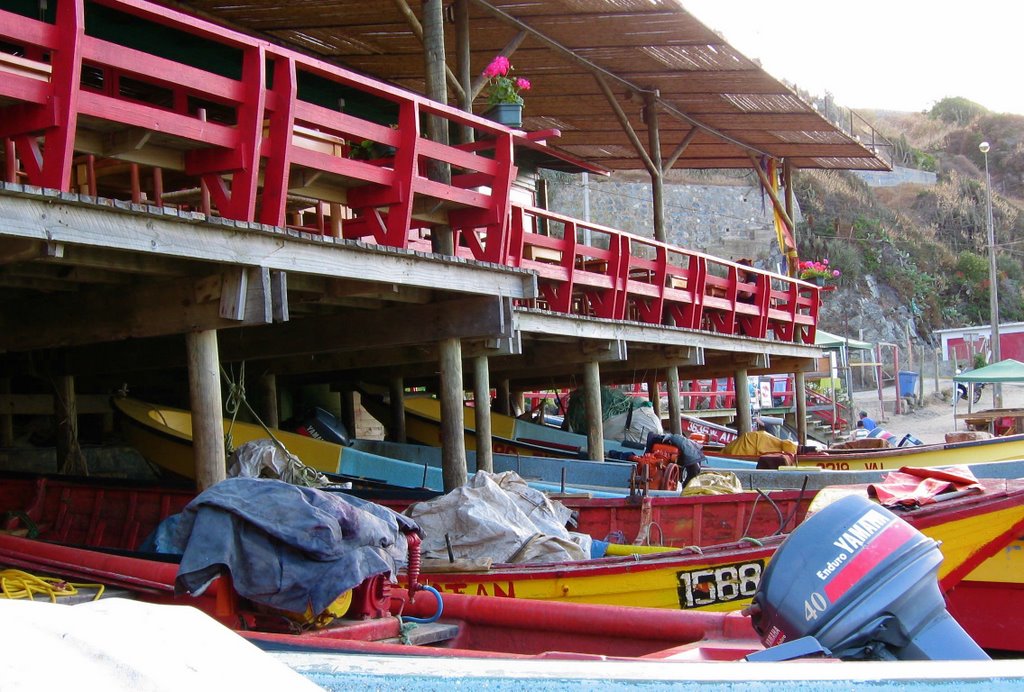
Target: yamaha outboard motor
{"type": "Point", "coordinates": [861, 583]}
{"type": "Point", "coordinates": [321, 424]}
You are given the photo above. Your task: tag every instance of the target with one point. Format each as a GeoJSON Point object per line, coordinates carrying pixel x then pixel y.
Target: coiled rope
{"type": "Point", "coordinates": [298, 472]}
{"type": "Point", "coordinates": [15, 583]}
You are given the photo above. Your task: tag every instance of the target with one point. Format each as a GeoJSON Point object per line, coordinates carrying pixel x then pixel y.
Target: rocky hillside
{"type": "Point", "coordinates": [915, 258]}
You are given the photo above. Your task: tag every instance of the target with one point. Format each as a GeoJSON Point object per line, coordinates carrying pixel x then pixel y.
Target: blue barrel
{"type": "Point", "coordinates": [908, 382]}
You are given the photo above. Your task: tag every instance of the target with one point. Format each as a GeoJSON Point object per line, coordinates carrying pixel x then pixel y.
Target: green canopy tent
{"type": "Point", "coordinates": [1008, 370]}
{"type": "Point", "coordinates": [830, 341]}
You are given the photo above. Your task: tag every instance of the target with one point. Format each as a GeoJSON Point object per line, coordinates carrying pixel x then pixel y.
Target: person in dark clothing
{"type": "Point", "coordinates": [691, 457]}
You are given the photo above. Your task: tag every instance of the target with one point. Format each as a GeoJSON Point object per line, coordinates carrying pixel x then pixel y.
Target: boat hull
{"type": "Point", "coordinates": [893, 458]}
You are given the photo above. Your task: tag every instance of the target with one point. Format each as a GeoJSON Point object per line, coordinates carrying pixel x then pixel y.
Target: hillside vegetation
{"type": "Point", "coordinates": [919, 254]}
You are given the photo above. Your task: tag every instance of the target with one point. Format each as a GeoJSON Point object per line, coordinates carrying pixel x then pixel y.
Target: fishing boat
{"type": "Point", "coordinates": [510, 435]}
{"type": "Point", "coordinates": [1004, 448]}
{"type": "Point", "coordinates": [472, 626]}
{"type": "Point", "coordinates": [732, 538]}
{"type": "Point", "coordinates": [163, 435]}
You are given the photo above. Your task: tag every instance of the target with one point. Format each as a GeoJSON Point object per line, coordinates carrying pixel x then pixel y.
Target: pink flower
{"type": "Point", "coordinates": [499, 67]}
{"type": "Point", "coordinates": [522, 84]}
{"type": "Point", "coordinates": [835, 272]}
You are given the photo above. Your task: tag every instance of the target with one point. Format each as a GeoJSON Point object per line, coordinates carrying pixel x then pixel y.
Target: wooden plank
{"type": "Point", "coordinates": [157, 235]}
{"type": "Point", "coordinates": [112, 314]}
{"type": "Point", "coordinates": [43, 404]}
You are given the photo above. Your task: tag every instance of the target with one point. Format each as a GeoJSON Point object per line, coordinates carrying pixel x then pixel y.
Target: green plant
{"type": "Point", "coordinates": [501, 86]}
{"type": "Point", "coordinates": [812, 269]}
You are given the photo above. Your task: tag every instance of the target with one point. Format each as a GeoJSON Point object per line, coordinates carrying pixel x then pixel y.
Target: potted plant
{"type": "Point", "coordinates": [818, 272]}
{"type": "Point", "coordinates": [506, 105]}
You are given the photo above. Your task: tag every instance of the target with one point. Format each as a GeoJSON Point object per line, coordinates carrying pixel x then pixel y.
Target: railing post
{"type": "Point", "coordinates": [64, 84]}
{"type": "Point", "coordinates": [282, 121]}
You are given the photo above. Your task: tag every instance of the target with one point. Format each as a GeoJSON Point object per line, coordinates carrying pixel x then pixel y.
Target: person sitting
{"type": "Point", "coordinates": [860, 432]}
{"type": "Point", "coordinates": [869, 423]}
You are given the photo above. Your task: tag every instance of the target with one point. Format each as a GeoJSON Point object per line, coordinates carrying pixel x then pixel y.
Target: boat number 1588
{"type": "Point", "coordinates": [720, 584]}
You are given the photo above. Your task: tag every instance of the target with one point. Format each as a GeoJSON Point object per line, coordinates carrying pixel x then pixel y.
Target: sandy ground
{"type": "Point", "coordinates": [932, 421]}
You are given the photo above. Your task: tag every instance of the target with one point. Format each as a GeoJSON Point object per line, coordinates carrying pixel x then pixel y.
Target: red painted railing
{"type": "Point", "coordinates": [262, 136]}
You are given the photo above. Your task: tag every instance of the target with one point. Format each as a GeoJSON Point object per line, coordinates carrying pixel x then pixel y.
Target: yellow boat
{"type": "Point", "coordinates": [164, 436]}
{"type": "Point", "coordinates": [1005, 448]}
{"type": "Point", "coordinates": [971, 529]}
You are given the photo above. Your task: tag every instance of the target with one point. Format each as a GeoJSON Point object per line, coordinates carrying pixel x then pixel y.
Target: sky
{"type": "Point", "coordinates": [902, 55]}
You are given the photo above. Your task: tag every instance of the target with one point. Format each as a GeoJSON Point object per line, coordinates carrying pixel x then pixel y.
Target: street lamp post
{"type": "Point", "coordinates": [997, 390]}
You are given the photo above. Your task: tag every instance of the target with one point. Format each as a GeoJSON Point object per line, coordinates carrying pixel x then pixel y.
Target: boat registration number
{"type": "Point", "coordinates": [720, 584]}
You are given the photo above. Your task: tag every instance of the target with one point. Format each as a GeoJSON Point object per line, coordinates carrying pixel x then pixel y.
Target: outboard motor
{"type": "Point", "coordinates": [862, 583]}
{"type": "Point", "coordinates": [321, 424]}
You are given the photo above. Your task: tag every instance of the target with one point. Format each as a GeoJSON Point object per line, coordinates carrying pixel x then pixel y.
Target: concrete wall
{"type": "Point", "coordinates": [726, 220]}
{"type": "Point", "coordinates": [898, 176]}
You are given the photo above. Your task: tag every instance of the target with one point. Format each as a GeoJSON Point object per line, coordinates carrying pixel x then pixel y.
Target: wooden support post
{"type": "Point", "coordinates": [268, 389]}
{"type": "Point", "coordinates": [417, 30]}
{"type": "Point", "coordinates": [657, 174]}
{"type": "Point", "coordinates": [348, 410]}
{"type": "Point", "coordinates": [743, 422]}
{"type": "Point", "coordinates": [396, 389]}
{"type": "Point", "coordinates": [654, 393]}
{"type": "Point", "coordinates": [504, 397]}
{"type": "Point", "coordinates": [595, 415]}
{"type": "Point", "coordinates": [675, 409]}
{"type": "Point", "coordinates": [207, 415]}
{"type": "Point", "coordinates": [464, 66]}
{"type": "Point", "coordinates": [453, 425]}
{"type": "Point", "coordinates": [69, 453]}
{"type": "Point", "coordinates": [335, 220]}
{"type": "Point", "coordinates": [482, 412]}
{"type": "Point", "coordinates": [441, 238]}
{"type": "Point", "coordinates": [792, 257]}
{"type": "Point", "coordinates": [6, 419]}
{"type": "Point", "coordinates": [800, 397]}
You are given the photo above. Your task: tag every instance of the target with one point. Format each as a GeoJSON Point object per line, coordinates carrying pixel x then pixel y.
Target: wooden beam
{"type": "Point", "coordinates": [627, 127]}
{"type": "Point", "coordinates": [44, 404]}
{"type": "Point", "coordinates": [112, 314]}
{"type": "Point", "coordinates": [743, 421]}
{"type": "Point", "coordinates": [396, 389]}
{"type": "Point", "coordinates": [656, 170]}
{"type": "Point", "coordinates": [482, 414]}
{"type": "Point", "coordinates": [766, 186]}
{"type": "Point", "coordinates": [463, 62]}
{"type": "Point", "coordinates": [675, 409]}
{"type": "Point", "coordinates": [417, 29]}
{"type": "Point", "coordinates": [479, 82]}
{"type": "Point", "coordinates": [206, 406]}
{"type": "Point", "coordinates": [680, 148]}
{"type": "Point", "coordinates": [70, 459]}
{"type": "Point", "coordinates": [488, 317]}
{"type": "Point", "coordinates": [595, 418]}
{"type": "Point", "coordinates": [157, 234]}
{"type": "Point", "coordinates": [453, 437]}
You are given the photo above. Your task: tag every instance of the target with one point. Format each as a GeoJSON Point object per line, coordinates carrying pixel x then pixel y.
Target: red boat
{"type": "Point", "coordinates": [118, 516]}
{"type": "Point", "coordinates": [107, 519]}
